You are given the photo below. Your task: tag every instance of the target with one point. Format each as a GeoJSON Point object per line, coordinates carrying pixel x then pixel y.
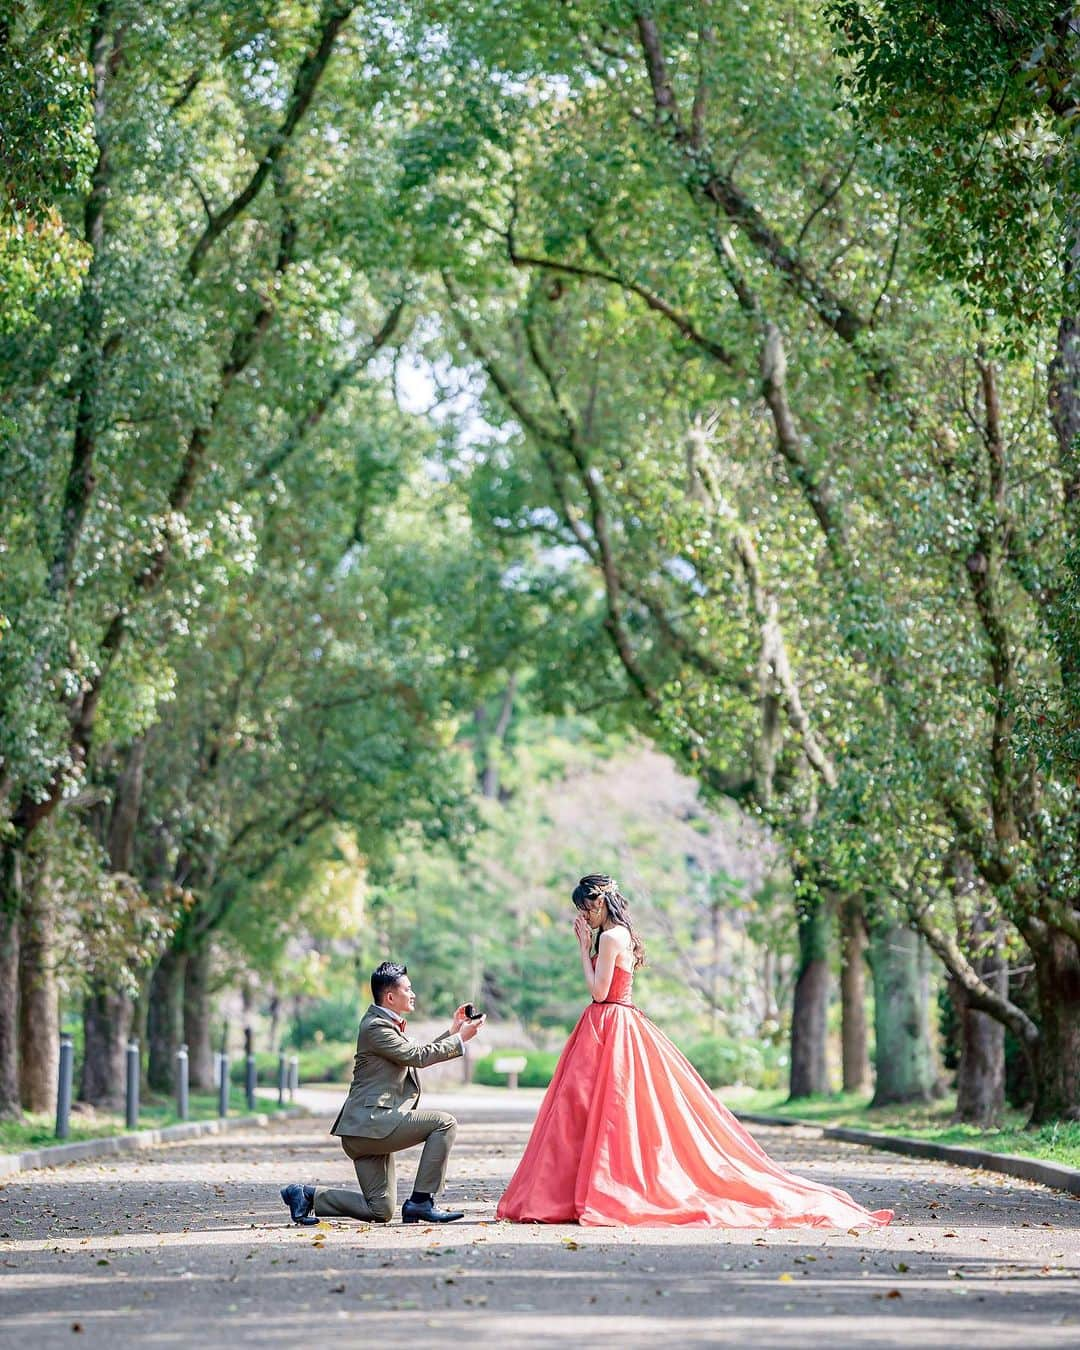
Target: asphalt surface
{"type": "Point", "coordinates": [189, 1244]}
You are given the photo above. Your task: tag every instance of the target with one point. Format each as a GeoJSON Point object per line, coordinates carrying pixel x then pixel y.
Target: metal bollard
{"type": "Point", "coordinates": [132, 1084]}
{"type": "Point", "coordinates": [223, 1086]}
{"type": "Point", "coordinates": [250, 1073]}
{"type": "Point", "coordinates": [294, 1076]}
{"type": "Point", "coordinates": [282, 1078]}
{"type": "Point", "coordinates": [63, 1093]}
{"type": "Point", "coordinates": [182, 1082]}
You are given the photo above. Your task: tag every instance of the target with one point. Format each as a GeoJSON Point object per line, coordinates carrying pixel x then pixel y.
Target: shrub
{"type": "Point", "coordinates": [722, 1061]}
{"type": "Point", "coordinates": [538, 1072]}
{"type": "Point", "coordinates": [326, 1019]}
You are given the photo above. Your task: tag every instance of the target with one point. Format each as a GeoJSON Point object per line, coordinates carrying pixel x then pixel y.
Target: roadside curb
{"type": "Point", "coordinates": [1011, 1164]}
{"type": "Point", "coordinates": [56, 1155]}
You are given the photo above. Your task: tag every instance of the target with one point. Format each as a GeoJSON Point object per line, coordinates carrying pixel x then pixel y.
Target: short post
{"type": "Point", "coordinates": [282, 1077]}
{"type": "Point", "coordinates": [182, 1082]}
{"type": "Point", "coordinates": [249, 1067]}
{"type": "Point", "coordinates": [511, 1065]}
{"type": "Point", "coordinates": [294, 1076]}
{"type": "Point", "coordinates": [132, 1083]}
{"type": "Point", "coordinates": [223, 1085]}
{"type": "Point", "coordinates": [63, 1093]}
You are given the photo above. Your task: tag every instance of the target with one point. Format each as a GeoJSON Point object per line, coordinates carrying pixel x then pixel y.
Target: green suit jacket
{"type": "Point", "coordinates": [385, 1086]}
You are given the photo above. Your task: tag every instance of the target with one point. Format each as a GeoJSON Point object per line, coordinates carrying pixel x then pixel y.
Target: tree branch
{"type": "Point", "coordinates": [980, 994]}
{"type": "Point", "coordinates": [334, 17]}
{"type": "Point", "coordinates": [705, 182]}
{"type": "Point", "coordinates": [81, 479]}
{"type": "Point", "coordinates": [653, 301]}
{"type": "Point", "coordinates": [308, 421]}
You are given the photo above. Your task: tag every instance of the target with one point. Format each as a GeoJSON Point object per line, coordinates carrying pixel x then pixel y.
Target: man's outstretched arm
{"type": "Point", "coordinates": [394, 1045]}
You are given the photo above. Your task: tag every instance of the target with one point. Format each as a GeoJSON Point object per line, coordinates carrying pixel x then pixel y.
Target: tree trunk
{"type": "Point", "coordinates": [980, 1073]}
{"type": "Point", "coordinates": [856, 1057]}
{"type": "Point", "coordinates": [770, 1010]}
{"type": "Point", "coordinates": [107, 1027]}
{"type": "Point", "coordinates": [715, 918]}
{"type": "Point", "coordinates": [809, 1069]}
{"type": "Point", "coordinates": [1057, 1076]}
{"type": "Point", "coordinates": [489, 761]}
{"type": "Point", "coordinates": [197, 1019]}
{"type": "Point", "coordinates": [39, 1000]}
{"type": "Point", "coordinates": [275, 1024]}
{"type": "Point", "coordinates": [904, 1060]}
{"type": "Point", "coordinates": [164, 1020]}
{"type": "Point", "coordinates": [127, 800]}
{"type": "Point", "coordinates": [10, 886]}
{"type": "Point", "coordinates": [108, 1017]}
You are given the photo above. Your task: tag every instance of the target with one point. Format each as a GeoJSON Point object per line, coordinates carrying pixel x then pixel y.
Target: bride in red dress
{"type": "Point", "coordinates": [630, 1133]}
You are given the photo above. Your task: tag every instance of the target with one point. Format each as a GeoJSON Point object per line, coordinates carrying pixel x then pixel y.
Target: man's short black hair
{"type": "Point", "coordinates": [384, 977]}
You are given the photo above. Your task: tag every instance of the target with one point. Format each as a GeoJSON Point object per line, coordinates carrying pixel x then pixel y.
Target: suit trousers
{"type": "Point", "coordinates": [375, 1171]}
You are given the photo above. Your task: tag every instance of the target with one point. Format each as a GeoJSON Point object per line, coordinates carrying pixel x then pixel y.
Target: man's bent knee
{"type": "Point", "coordinates": [382, 1211]}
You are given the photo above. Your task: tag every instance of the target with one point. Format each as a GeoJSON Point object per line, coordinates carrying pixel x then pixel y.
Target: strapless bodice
{"type": "Point", "coordinates": [622, 982]}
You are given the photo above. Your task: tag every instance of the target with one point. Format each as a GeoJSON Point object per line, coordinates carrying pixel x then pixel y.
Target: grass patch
{"type": "Point", "coordinates": [1057, 1142]}
{"type": "Point", "coordinates": [39, 1131]}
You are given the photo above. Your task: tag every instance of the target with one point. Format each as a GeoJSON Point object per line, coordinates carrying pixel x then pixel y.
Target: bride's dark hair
{"type": "Point", "coordinates": [597, 886]}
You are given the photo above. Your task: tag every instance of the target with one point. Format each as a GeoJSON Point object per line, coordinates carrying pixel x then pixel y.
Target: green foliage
{"type": "Point", "coordinates": [46, 155]}
{"type": "Point", "coordinates": [974, 108]}
{"type": "Point", "coordinates": [713, 454]}
{"type": "Point", "coordinates": [323, 1019]}
{"type": "Point", "coordinates": [722, 1061]}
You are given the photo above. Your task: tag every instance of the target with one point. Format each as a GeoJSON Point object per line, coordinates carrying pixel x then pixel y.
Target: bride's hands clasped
{"type": "Point", "coordinates": [582, 931]}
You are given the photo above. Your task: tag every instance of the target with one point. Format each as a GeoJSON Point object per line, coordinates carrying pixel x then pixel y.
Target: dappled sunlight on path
{"type": "Point", "coordinates": [188, 1244]}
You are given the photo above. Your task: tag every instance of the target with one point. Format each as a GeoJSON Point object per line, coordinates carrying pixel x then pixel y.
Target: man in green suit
{"type": "Point", "coordinates": [380, 1114]}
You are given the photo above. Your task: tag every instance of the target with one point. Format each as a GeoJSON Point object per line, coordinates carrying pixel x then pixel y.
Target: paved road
{"type": "Point", "coordinates": [187, 1245]}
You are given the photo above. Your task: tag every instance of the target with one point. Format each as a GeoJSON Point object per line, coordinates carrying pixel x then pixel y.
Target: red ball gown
{"type": "Point", "coordinates": [630, 1133]}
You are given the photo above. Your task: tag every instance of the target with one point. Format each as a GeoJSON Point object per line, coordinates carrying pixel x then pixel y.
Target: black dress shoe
{"type": "Point", "coordinates": [301, 1201]}
{"type": "Point", "coordinates": [424, 1211]}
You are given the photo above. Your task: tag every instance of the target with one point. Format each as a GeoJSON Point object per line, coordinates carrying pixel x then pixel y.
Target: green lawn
{"type": "Point", "coordinates": [39, 1131]}
{"type": "Point", "coordinates": [1059, 1142]}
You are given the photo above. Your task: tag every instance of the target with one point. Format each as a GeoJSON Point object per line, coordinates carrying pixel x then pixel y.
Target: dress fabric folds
{"type": "Point", "coordinates": [629, 1133]}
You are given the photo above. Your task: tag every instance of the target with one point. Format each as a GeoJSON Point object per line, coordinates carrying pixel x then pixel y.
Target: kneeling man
{"type": "Point", "coordinates": [380, 1114]}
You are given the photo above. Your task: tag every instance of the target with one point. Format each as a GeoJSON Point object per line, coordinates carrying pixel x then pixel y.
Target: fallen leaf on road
{"type": "Point", "coordinates": [570, 1244]}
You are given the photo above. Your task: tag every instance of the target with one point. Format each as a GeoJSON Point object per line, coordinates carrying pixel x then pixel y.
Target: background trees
{"type": "Point", "coordinates": [401, 381]}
